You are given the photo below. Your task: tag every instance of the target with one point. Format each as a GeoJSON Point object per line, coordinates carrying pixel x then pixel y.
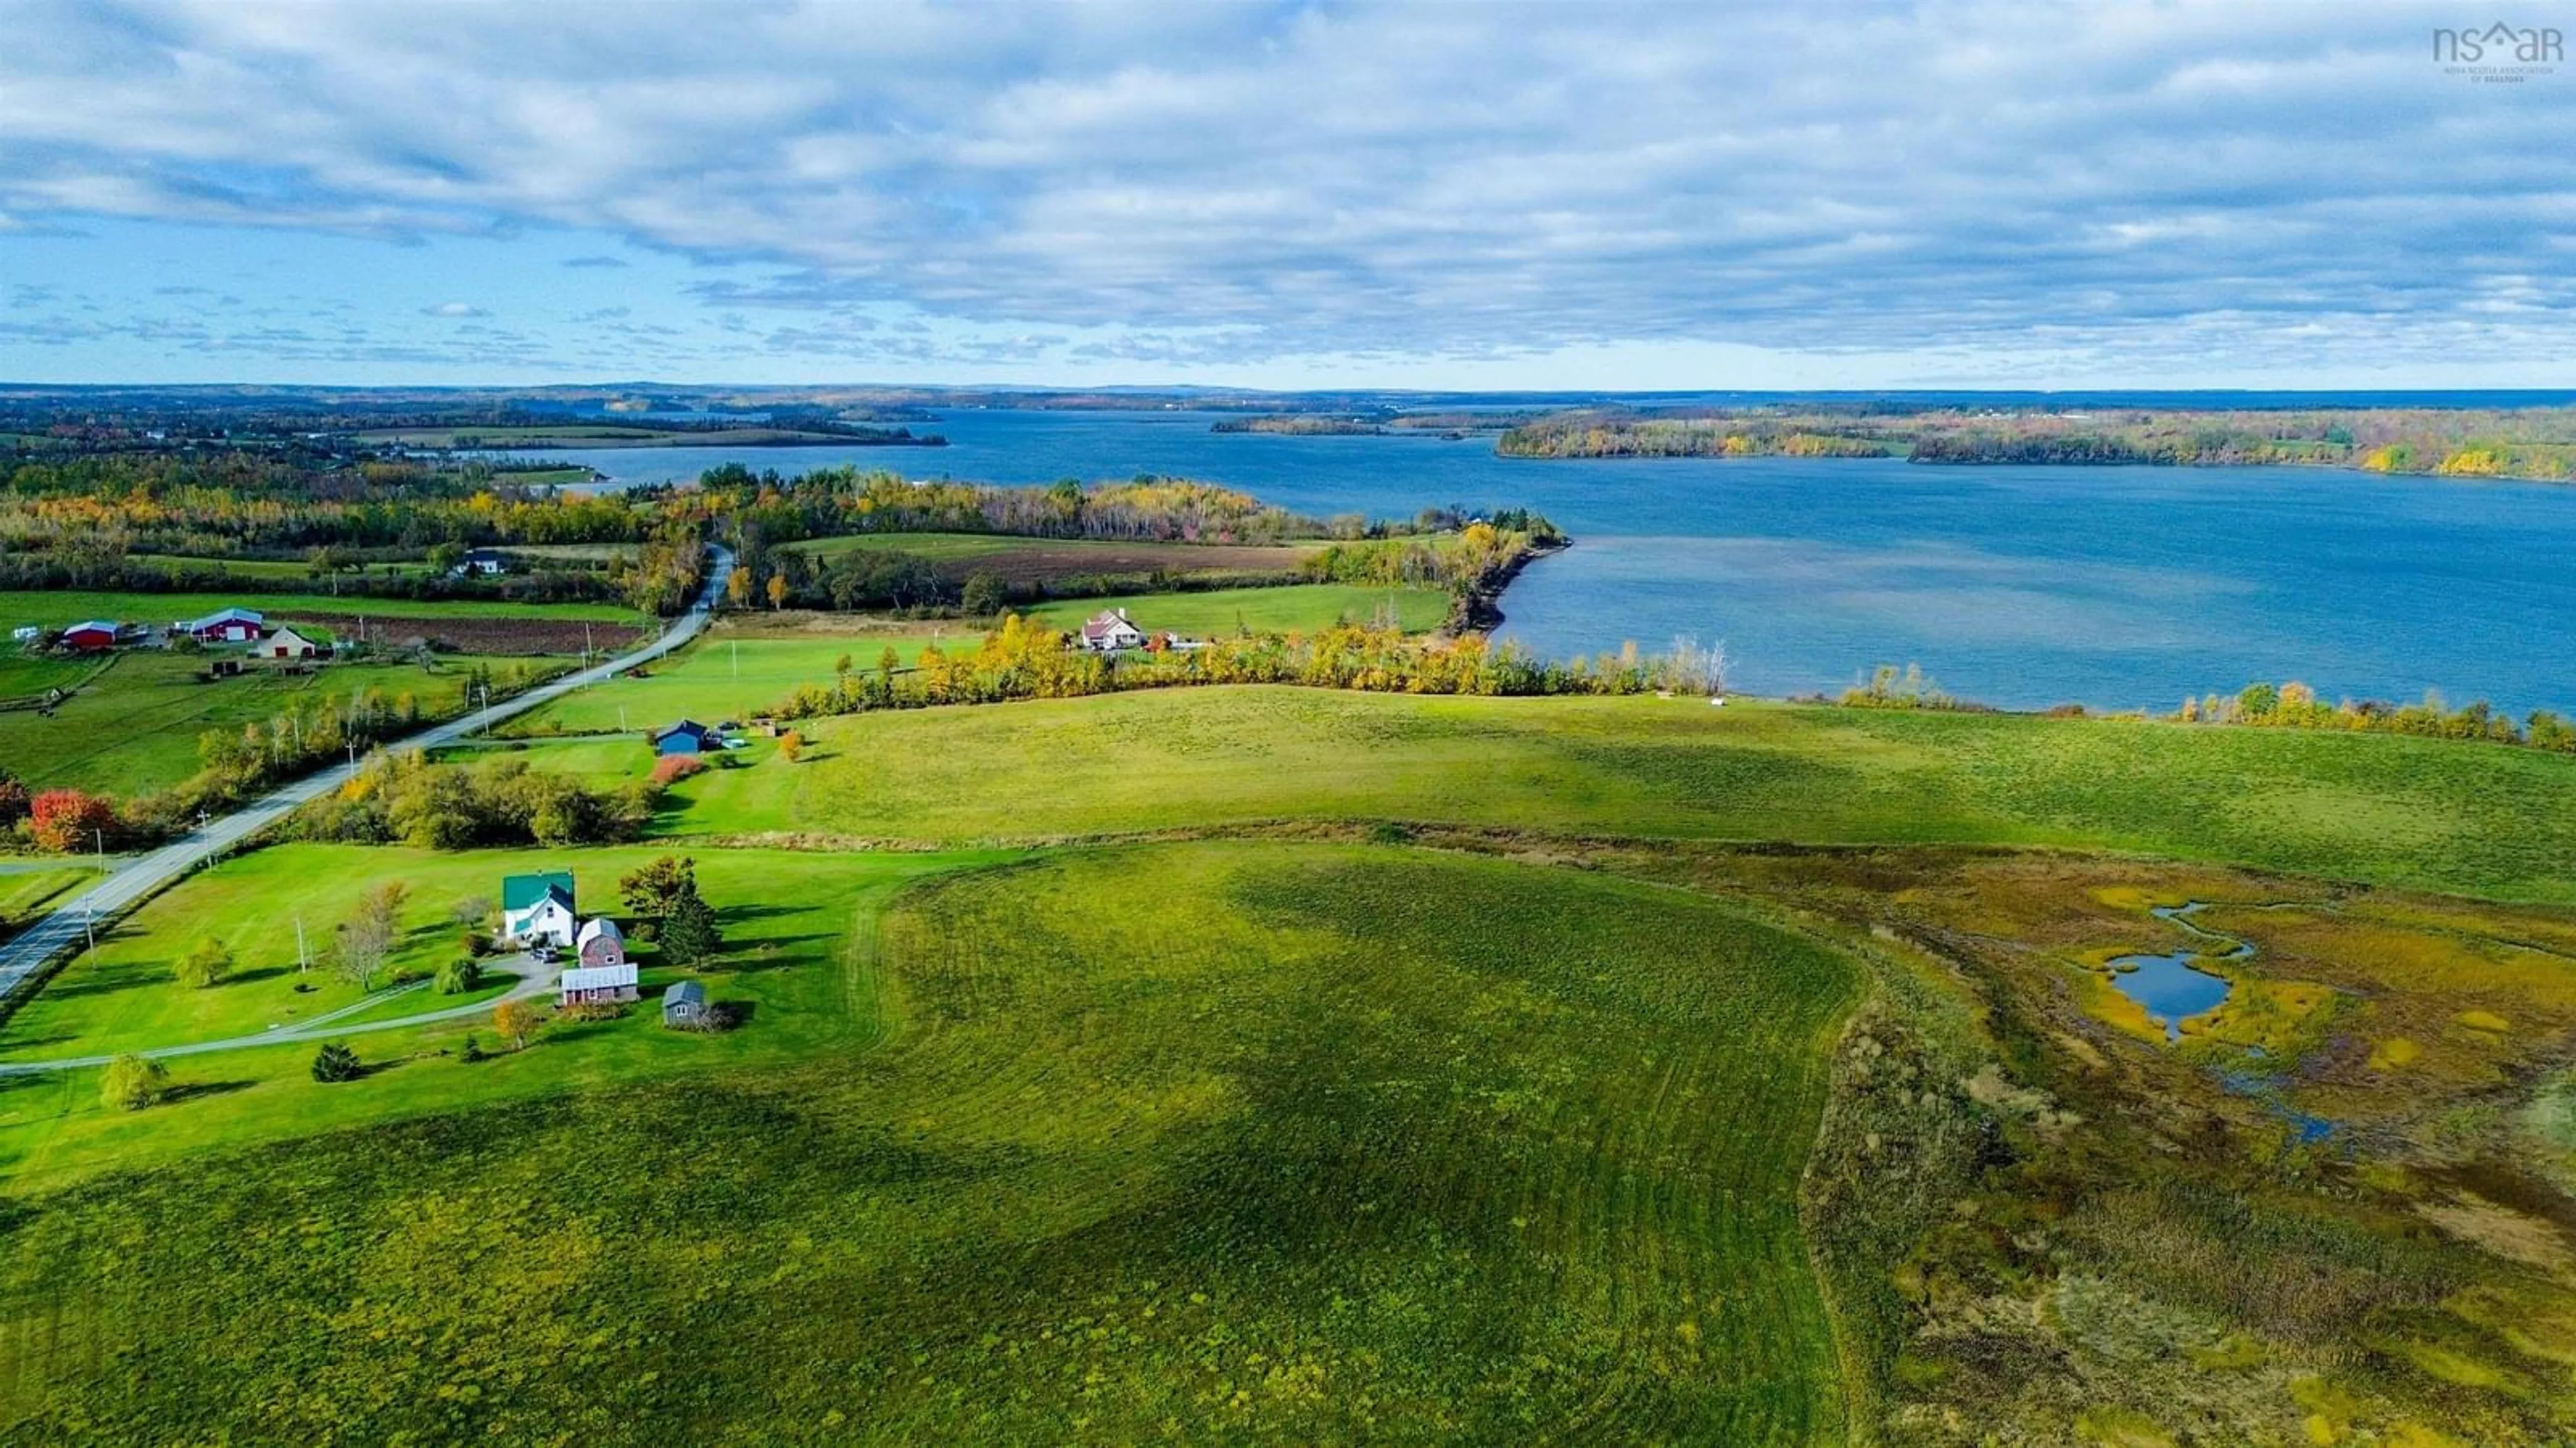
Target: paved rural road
{"type": "Point", "coordinates": [34, 947]}
{"type": "Point", "coordinates": [534, 979]}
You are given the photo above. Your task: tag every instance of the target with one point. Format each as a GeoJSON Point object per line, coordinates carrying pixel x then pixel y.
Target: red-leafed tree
{"type": "Point", "coordinates": [66, 819]}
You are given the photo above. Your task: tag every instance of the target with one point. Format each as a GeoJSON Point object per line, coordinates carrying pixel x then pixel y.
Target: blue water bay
{"type": "Point", "coordinates": [2023, 587]}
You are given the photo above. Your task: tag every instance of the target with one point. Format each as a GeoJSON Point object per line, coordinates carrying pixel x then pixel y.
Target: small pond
{"type": "Point", "coordinates": [2173, 987]}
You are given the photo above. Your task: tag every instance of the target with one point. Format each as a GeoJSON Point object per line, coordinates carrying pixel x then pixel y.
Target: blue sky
{"type": "Point", "coordinates": [1442, 195]}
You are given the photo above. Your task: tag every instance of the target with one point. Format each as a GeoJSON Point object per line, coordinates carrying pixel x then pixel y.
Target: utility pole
{"type": "Point", "coordinates": [300, 963]}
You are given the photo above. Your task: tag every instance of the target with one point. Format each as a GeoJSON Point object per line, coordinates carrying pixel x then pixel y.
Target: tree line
{"type": "Point", "coordinates": [74, 522]}
{"type": "Point", "coordinates": [404, 798]}
{"type": "Point", "coordinates": [1024, 660]}
{"type": "Point", "coordinates": [2297, 706]}
{"type": "Point", "coordinates": [1474, 556]}
{"type": "Point", "coordinates": [2452, 442]}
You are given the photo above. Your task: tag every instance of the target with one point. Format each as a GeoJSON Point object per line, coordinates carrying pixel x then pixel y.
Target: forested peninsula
{"type": "Point", "coordinates": [2537, 443]}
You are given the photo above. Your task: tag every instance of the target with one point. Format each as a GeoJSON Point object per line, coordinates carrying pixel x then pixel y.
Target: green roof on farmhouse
{"type": "Point", "coordinates": [518, 892]}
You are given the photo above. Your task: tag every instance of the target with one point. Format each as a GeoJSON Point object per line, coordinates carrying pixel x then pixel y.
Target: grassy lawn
{"type": "Point", "coordinates": [1314, 1144]}
{"type": "Point", "coordinates": [744, 790]}
{"type": "Point", "coordinates": [1300, 607]}
{"type": "Point", "coordinates": [787, 919]}
{"type": "Point", "coordinates": [734, 671]}
{"type": "Point", "coordinates": [27, 892]}
{"type": "Point", "coordinates": [135, 729]}
{"type": "Point", "coordinates": [748, 663]}
{"type": "Point", "coordinates": [24, 676]}
{"type": "Point", "coordinates": [53, 609]}
{"type": "Point", "coordinates": [2473, 818]}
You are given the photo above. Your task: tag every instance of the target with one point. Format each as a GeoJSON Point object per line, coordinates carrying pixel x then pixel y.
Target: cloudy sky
{"type": "Point", "coordinates": [1587, 195]}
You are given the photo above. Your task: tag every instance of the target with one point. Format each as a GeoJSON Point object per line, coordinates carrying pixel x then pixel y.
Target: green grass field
{"type": "Point", "coordinates": [135, 729]}
{"type": "Point", "coordinates": [2474, 818]}
{"type": "Point", "coordinates": [27, 676]}
{"type": "Point", "coordinates": [747, 664]}
{"type": "Point", "coordinates": [1023, 558]}
{"type": "Point", "coordinates": [789, 921]}
{"type": "Point", "coordinates": [1289, 1138]}
{"type": "Point", "coordinates": [26, 892]}
{"type": "Point", "coordinates": [734, 672]}
{"type": "Point", "coordinates": [1313, 1144]}
{"type": "Point", "coordinates": [270, 567]}
{"type": "Point", "coordinates": [54, 609]}
{"type": "Point", "coordinates": [1299, 607]}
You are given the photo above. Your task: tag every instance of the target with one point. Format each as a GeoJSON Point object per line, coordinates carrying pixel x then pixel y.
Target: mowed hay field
{"type": "Point", "coordinates": [2467, 818]}
{"type": "Point", "coordinates": [749, 663]}
{"type": "Point", "coordinates": [134, 728]}
{"type": "Point", "coordinates": [1032, 560]}
{"type": "Point", "coordinates": [25, 894]}
{"type": "Point", "coordinates": [1217, 1142]}
{"type": "Point", "coordinates": [55, 608]}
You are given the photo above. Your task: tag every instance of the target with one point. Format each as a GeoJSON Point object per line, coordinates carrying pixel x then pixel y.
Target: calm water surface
{"type": "Point", "coordinates": [2113, 587]}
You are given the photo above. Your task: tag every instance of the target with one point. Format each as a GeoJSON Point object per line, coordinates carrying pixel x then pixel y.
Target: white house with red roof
{"type": "Point", "coordinates": [1107, 633]}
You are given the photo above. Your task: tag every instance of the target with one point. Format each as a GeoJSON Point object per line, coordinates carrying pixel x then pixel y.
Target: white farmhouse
{"type": "Point", "coordinates": [538, 908]}
{"type": "Point", "coordinates": [1107, 633]}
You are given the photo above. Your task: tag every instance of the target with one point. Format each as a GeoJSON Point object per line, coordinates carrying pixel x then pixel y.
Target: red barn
{"type": "Point", "coordinates": [90, 637]}
{"type": "Point", "coordinates": [226, 626]}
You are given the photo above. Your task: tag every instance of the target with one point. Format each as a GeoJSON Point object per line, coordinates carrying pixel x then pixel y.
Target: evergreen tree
{"type": "Point", "coordinates": [689, 934]}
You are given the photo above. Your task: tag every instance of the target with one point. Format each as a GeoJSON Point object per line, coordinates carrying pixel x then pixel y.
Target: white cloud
{"type": "Point", "coordinates": [454, 309]}
{"type": "Point", "coordinates": [2105, 185]}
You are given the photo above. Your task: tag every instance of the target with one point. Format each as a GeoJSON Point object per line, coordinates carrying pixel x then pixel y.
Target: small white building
{"type": "Point", "coordinates": [285, 643]}
{"type": "Point", "coordinates": [1107, 633]}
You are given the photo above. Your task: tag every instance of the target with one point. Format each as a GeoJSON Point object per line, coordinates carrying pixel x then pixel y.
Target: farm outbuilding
{"type": "Point", "coordinates": [286, 643]}
{"type": "Point", "coordinates": [687, 737]}
{"type": "Point", "coordinates": [91, 635]}
{"type": "Point", "coordinates": [601, 943]}
{"type": "Point", "coordinates": [684, 1004]}
{"type": "Point", "coordinates": [585, 984]}
{"type": "Point", "coordinates": [226, 626]}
